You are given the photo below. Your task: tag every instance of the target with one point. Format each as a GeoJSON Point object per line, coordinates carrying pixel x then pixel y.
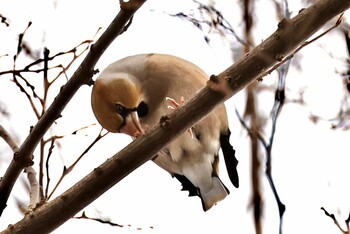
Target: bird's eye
{"type": "Point", "coordinates": [142, 109]}
{"type": "Point", "coordinates": [119, 108]}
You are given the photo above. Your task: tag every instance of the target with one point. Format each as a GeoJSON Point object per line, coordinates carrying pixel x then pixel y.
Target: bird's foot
{"type": "Point", "coordinates": [175, 105]}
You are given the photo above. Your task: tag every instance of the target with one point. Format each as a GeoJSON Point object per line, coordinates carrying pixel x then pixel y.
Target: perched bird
{"type": "Point", "coordinates": [134, 92]}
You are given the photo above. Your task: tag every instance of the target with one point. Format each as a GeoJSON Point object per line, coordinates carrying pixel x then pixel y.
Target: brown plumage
{"type": "Point", "coordinates": [131, 94]}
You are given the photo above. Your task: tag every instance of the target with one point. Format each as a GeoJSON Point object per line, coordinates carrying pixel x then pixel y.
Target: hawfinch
{"type": "Point", "coordinates": [132, 94]}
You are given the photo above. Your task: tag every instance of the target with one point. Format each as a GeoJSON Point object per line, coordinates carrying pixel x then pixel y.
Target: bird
{"type": "Point", "coordinates": [132, 94]}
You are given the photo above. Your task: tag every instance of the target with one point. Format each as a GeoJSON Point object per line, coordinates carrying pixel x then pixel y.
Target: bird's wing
{"type": "Point", "coordinates": [187, 185]}
{"type": "Point", "coordinates": [229, 156]}
{"type": "Point", "coordinates": [164, 160]}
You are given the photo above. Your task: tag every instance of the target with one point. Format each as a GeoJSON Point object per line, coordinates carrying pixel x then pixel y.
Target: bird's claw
{"type": "Point", "coordinates": [174, 105]}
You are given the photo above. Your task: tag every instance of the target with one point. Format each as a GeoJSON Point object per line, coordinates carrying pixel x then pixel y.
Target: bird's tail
{"type": "Point", "coordinates": [215, 194]}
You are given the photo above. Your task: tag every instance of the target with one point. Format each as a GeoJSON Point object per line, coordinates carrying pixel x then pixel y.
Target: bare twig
{"type": "Point", "coordinates": [282, 9]}
{"type": "Point", "coordinates": [52, 141]}
{"type": "Point", "coordinates": [4, 20]}
{"type": "Point", "coordinates": [276, 110]}
{"type": "Point", "coordinates": [29, 97]}
{"type": "Point", "coordinates": [105, 221]}
{"type": "Point", "coordinates": [342, 120]}
{"type": "Point", "coordinates": [76, 55]}
{"type": "Point", "coordinates": [336, 222]}
{"type": "Point", "coordinates": [279, 101]}
{"type": "Point", "coordinates": [20, 42]}
{"type": "Point", "coordinates": [52, 145]}
{"type": "Point", "coordinates": [256, 200]}
{"type": "Point", "coordinates": [250, 112]}
{"type": "Point", "coordinates": [29, 68]}
{"type": "Point", "coordinates": [8, 139]}
{"type": "Point", "coordinates": [67, 170]}
{"type": "Point", "coordinates": [211, 17]}
{"type": "Point", "coordinates": [254, 134]}
{"type": "Point", "coordinates": [46, 86]}
{"type": "Point", "coordinates": [277, 107]}
{"type": "Point", "coordinates": [18, 75]}
{"type": "Point", "coordinates": [34, 188]}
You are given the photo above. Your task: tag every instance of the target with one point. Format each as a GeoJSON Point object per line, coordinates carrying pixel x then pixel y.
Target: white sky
{"type": "Point", "coordinates": [310, 162]}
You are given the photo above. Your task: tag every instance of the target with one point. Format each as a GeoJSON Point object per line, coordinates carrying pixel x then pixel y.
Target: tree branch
{"type": "Point", "coordinates": [336, 222]}
{"type": "Point", "coordinates": [288, 36]}
{"type": "Point", "coordinates": [8, 139]}
{"type": "Point", "coordinates": [67, 170]}
{"type": "Point", "coordinates": [33, 183]}
{"type": "Point", "coordinates": [83, 74]}
{"type": "Point", "coordinates": [107, 221]}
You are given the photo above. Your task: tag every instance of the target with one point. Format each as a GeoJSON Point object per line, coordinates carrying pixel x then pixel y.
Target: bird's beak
{"type": "Point", "coordinates": [132, 125]}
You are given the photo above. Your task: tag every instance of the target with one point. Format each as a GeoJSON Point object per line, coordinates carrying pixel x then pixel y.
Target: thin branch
{"type": "Point", "coordinates": [29, 97]}
{"type": "Point", "coordinates": [53, 138]}
{"type": "Point", "coordinates": [250, 111]}
{"type": "Point", "coordinates": [104, 221]}
{"type": "Point", "coordinates": [52, 145]}
{"type": "Point", "coordinates": [254, 133]}
{"type": "Point", "coordinates": [276, 110]}
{"type": "Point", "coordinates": [4, 20]}
{"type": "Point", "coordinates": [67, 170]}
{"type": "Point", "coordinates": [52, 141]}
{"type": "Point", "coordinates": [347, 222]}
{"type": "Point", "coordinates": [76, 55]}
{"type": "Point", "coordinates": [277, 107]}
{"type": "Point", "coordinates": [250, 130]}
{"type": "Point", "coordinates": [29, 68]}
{"type": "Point", "coordinates": [24, 70]}
{"type": "Point", "coordinates": [34, 194]}
{"type": "Point", "coordinates": [216, 21]}
{"type": "Point", "coordinates": [34, 186]}
{"type": "Point", "coordinates": [8, 139]}
{"type": "Point", "coordinates": [46, 86]}
{"type": "Point", "coordinates": [336, 222]}
{"type": "Point", "coordinates": [46, 83]}
{"type": "Point", "coordinates": [20, 42]}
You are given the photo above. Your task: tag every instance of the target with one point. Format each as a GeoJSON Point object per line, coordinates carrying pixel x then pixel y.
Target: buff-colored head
{"type": "Point", "coordinates": [115, 100]}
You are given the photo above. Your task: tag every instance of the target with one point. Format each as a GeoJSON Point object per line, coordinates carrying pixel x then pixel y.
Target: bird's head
{"type": "Point", "coordinates": [116, 103]}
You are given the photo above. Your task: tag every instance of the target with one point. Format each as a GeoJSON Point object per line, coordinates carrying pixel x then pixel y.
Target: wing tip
{"type": "Point", "coordinates": [230, 158]}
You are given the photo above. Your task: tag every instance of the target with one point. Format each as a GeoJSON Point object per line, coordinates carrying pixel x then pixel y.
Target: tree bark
{"type": "Point", "coordinates": [288, 36]}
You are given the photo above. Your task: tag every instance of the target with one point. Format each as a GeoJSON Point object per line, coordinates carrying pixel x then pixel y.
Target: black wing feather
{"type": "Point", "coordinates": [187, 185]}
{"type": "Point", "coordinates": [230, 159]}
